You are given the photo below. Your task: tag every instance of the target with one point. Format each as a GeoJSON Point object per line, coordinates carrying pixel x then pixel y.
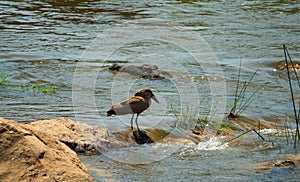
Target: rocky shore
{"type": "Point", "coordinates": [46, 150]}
{"type": "Point", "coordinates": [29, 153]}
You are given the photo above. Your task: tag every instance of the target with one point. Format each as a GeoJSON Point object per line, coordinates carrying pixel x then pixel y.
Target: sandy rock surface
{"type": "Point", "coordinates": [28, 153]}
{"type": "Point", "coordinates": [80, 137]}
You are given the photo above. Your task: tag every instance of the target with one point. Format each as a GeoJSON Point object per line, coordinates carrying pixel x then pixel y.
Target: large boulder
{"type": "Point", "coordinates": [80, 137]}
{"type": "Point", "coordinates": [28, 153]}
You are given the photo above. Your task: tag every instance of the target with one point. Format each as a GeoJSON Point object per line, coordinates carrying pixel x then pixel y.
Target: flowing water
{"type": "Point", "coordinates": [199, 43]}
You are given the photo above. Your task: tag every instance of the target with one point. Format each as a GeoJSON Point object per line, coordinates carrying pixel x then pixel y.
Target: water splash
{"type": "Point", "coordinates": [211, 144]}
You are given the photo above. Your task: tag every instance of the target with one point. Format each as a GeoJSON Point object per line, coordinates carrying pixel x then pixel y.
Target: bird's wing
{"type": "Point", "coordinates": [137, 104]}
{"type": "Point", "coordinates": [134, 100]}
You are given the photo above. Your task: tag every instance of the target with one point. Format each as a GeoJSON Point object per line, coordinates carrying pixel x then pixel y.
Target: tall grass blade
{"type": "Point", "coordinates": [286, 55]}
{"type": "Point", "coordinates": [230, 140]}
{"type": "Point", "coordinates": [247, 103]}
{"type": "Point", "coordinates": [232, 110]}
{"type": "Point", "coordinates": [245, 86]}
{"type": "Point", "coordinates": [240, 97]}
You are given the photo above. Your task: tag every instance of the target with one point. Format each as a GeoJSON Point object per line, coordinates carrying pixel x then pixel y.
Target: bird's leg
{"type": "Point", "coordinates": [131, 122]}
{"type": "Point", "coordinates": [136, 119]}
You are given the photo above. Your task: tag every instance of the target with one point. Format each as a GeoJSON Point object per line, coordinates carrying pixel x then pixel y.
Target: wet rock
{"type": "Point", "coordinates": [244, 123]}
{"type": "Point", "coordinates": [278, 164]}
{"type": "Point", "coordinates": [133, 136]}
{"type": "Point", "coordinates": [282, 66]}
{"type": "Point", "coordinates": [151, 136]}
{"type": "Point", "coordinates": [115, 67]}
{"type": "Point", "coordinates": [146, 71]}
{"type": "Point", "coordinates": [30, 154]}
{"type": "Point", "coordinates": [199, 126]}
{"type": "Point", "coordinates": [80, 137]}
{"type": "Point", "coordinates": [286, 163]}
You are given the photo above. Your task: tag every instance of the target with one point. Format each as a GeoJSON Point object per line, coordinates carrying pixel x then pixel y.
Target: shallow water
{"type": "Point", "coordinates": [200, 43]}
{"type": "Point", "coordinates": [202, 162]}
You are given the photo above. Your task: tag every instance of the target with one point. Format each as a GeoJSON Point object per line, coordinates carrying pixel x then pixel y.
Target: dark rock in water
{"type": "Point", "coordinates": [141, 137]}
{"type": "Point", "coordinates": [286, 163]}
{"type": "Point", "coordinates": [115, 67]}
{"type": "Point", "coordinates": [146, 71]}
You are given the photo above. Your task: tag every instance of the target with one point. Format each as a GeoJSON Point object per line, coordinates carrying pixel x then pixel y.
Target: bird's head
{"type": "Point", "coordinates": [147, 94]}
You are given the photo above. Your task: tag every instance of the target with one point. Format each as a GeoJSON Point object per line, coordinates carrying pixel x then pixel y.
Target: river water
{"type": "Point", "coordinates": [200, 43]}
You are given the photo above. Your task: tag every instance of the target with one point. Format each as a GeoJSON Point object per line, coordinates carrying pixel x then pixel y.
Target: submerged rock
{"type": "Point", "coordinates": [286, 163]}
{"type": "Point", "coordinates": [146, 71]}
{"type": "Point", "coordinates": [278, 164]}
{"type": "Point", "coordinates": [28, 153]}
{"type": "Point", "coordinates": [244, 123]}
{"type": "Point", "coordinates": [282, 66]}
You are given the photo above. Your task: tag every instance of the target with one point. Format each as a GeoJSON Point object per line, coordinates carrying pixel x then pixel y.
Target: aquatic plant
{"type": "Point", "coordinates": [241, 102]}
{"type": "Point", "coordinates": [196, 121]}
{"type": "Point", "coordinates": [45, 89]}
{"type": "Point", "coordinates": [3, 78]}
{"type": "Point", "coordinates": [225, 126]}
{"type": "Point", "coordinates": [288, 59]}
{"type": "Point", "coordinates": [183, 117]}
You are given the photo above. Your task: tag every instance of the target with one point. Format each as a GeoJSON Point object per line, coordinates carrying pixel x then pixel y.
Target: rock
{"type": "Point", "coordinates": [244, 123]}
{"type": "Point", "coordinates": [151, 136]}
{"type": "Point", "coordinates": [28, 153]}
{"type": "Point", "coordinates": [115, 67]}
{"type": "Point", "coordinates": [282, 66]}
{"type": "Point", "coordinates": [145, 71]}
{"type": "Point", "coordinates": [80, 137]}
{"type": "Point", "coordinates": [278, 164]}
{"type": "Point", "coordinates": [286, 163]}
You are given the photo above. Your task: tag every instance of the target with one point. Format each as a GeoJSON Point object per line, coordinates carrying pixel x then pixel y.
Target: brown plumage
{"type": "Point", "coordinates": [133, 105]}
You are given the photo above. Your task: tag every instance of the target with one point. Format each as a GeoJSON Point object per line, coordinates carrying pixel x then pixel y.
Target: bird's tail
{"type": "Point", "coordinates": [110, 112]}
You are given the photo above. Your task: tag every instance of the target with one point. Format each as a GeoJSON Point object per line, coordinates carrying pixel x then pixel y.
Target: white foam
{"type": "Point", "coordinates": [212, 144]}
{"type": "Point", "coordinates": [278, 132]}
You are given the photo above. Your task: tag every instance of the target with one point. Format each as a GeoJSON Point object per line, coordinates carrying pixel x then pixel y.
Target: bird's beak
{"type": "Point", "coordinates": [154, 98]}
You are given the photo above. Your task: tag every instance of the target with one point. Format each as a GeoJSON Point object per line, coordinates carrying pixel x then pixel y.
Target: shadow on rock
{"type": "Point", "coordinates": [141, 137]}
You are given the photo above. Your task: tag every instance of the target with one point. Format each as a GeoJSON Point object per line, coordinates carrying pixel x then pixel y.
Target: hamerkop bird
{"type": "Point", "coordinates": [134, 105]}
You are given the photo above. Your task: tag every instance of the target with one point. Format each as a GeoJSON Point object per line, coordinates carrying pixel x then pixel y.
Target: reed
{"type": "Point", "coordinates": [192, 120]}
{"type": "Point", "coordinates": [242, 134]}
{"type": "Point", "coordinates": [241, 102]}
{"type": "Point", "coordinates": [288, 59]}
